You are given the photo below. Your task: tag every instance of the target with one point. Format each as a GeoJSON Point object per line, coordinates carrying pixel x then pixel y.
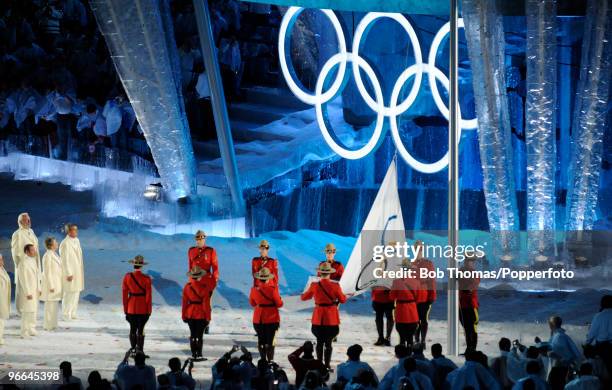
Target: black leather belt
{"type": "Point", "coordinates": [326, 304]}
{"type": "Point", "coordinates": [136, 294]}
{"type": "Point", "coordinates": [405, 301]}
{"type": "Point", "coordinates": [267, 305]}
{"type": "Point", "coordinates": [195, 302]}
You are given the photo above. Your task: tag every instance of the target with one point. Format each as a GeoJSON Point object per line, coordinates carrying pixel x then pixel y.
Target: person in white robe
{"type": "Point", "coordinates": [29, 288]}
{"type": "Point", "coordinates": [23, 236]}
{"type": "Point", "coordinates": [73, 275]}
{"type": "Point", "coordinates": [5, 298]}
{"type": "Point", "coordinates": [51, 283]}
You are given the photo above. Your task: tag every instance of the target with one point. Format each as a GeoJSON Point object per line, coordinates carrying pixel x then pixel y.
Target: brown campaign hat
{"type": "Point", "coordinates": [264, 274]}
{"type": "Point", "coordinates": [264, 244]}
{"type": "Point", "coordinates": [138, 260]}
{"type": "Point", "coordinates": [329, 247]}
{"type": "Point", "coordinates": [196, 272]}
{"type": "Point", "coordinates": [200, 234]}
{"type": "Point", "coordinates": [326, 268]}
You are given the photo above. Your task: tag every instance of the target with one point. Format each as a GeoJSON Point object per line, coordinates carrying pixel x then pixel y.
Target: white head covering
{"type": "Point", "coordinates": [19, 220]}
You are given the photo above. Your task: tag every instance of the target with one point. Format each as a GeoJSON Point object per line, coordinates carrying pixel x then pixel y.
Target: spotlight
{"type": "Point", "coordinates": [153, 192]}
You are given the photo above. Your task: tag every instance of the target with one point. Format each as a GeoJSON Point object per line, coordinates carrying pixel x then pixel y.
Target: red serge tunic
{"type": "Point", "coordinates": [468, 292]}
{"type": "Point", "coordinates": [206, 258]}
{"type": "Point", "coordinates": [260, 262]}
{"type": "Point", "coordinates": [266, 300]}
{"type": "Point", "coordinates": [327, 295]}
{"type": "Point", "coordinates": [336, 265]}
{"type": "Point", "coordinates": [427, 291]}
{"type": "Point", "coordinates": [381, 295]}
{"type": "Point", "coordinates": [196, 300]}
{"type": "Point", "coordinates": [136, 290]}
{"type": "Point", "coordinates": [403, 292]}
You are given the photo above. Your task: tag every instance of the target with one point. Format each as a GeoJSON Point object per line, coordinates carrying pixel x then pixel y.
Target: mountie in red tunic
{"type": "Point", "coordinates": [206, 258]}
{"type": "Point", "coordinates": [266, 300]}
{"type": "Point", "coordinates": [260, 262]}
{"type": "Point", "coordinates": [327, 295]}
{"type": "Point", "coordinates": [427, 290]}
{"type": "Point", "coordinates": [196, 300]}
{"type": "Point", "coordinates": [403, 292]}
{"type": "Point", "coordinates": [136, 290]}
{"type": "Point", "coordinates": [468, 292]}
{"type": "Point", "coordinates": [381, 294]}
{"type": "Point", "coordinates": [336, 265]}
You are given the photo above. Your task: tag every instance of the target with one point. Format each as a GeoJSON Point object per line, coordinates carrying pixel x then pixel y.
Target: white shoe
{"type": "Point", "coordinates": [33, 332]}
{"type": "Point", "coordinates": [25, 336]}
{"type": "Point", "coordinates": [73, 317]}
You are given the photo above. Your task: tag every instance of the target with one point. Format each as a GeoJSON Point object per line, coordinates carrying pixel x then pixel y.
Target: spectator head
{"type": "Point", "coordinates": [470, 355]}
{"type": "Point", "coordinates": [529, 384]}
{"type": "Point", "coordinates": [312, 379]}
{"type": "Point", "coordinates": [585, 369]}
{"type": "Point", "coordinates": [354, 352]}
{"type": "Point", "coordinates": [589, 351]}
{"type": "Point", "coordinates": [436, 350]}
{"type": "Point", "coordinates": [505, 344]}
{"type": "Point", "coordinates": [481, 358]}
{"type": "Point", "coordinates": [139, 358]}
{"type": "Point", "coordinates": [417, 349]}
{"type": "Point", "coordinates": [532, 352]}
{"type": "Point", "coordinates": [554, 322]}
{"type": "Point", "coordinates": [410, 364]}
{"type": "Point", "coordinates": [66, 369]}
{"type": "Point", "coordinates": [606, 302]}
{"type": "Point", "coordinates": [163, 381]}
{"type": "Point", "coordinates": [94, 378]}
{"type": "Point", "coordinates": [91, 109]}
{"type": "Point", "coordinates": [533, 367]}
{"type": "Point", "coordinates": [308, 349]}
{"type": "Point", "coordinates": [262, 366]}
{"type": "Point", "coordinates": [401, 351]}
{"type": "Point", "coordinates": [174, 364]}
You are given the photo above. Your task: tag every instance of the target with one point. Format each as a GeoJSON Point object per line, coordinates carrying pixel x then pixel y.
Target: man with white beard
{"type": "Point", "coordinates": [22, 237]}
{"type": "Point", "coordinates": [51, 283]}
{"type": "Point", "coordinates": [29, 286]}
{"type": "Point", "coordinates": [71, 256]}
{"type": "Point", "coordinates": [5, 298]}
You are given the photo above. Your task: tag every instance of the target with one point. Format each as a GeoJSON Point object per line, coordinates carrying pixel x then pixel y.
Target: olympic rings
{"type": "Point", "coordinates": [320, 98]}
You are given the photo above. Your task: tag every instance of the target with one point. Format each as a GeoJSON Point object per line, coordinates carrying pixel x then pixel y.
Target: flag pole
{"type": "Point", "coordinates": [453, 183]}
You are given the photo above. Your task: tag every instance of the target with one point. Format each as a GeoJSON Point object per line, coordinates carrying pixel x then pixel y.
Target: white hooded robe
{"type": "Point", "coordinates": [51, 277]}
{"type": "Point", "coordinates": [71, 257]}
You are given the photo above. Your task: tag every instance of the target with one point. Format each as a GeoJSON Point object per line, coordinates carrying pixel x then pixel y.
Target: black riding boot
{"type": "Point", "coordinates": [328, 355]}
{"type": "Point", "coordinates": [133, 340]}
{"type": "Point", "coordinates": [140, 342]}
{"type": "Point", "coordinates": [270, 353]}
{"type": "Point", "coordinates": [193, 345]}
{"type": "Point", "coordinates": [390, 325]}
{"type": "Point", "coordinates": [319, 350]}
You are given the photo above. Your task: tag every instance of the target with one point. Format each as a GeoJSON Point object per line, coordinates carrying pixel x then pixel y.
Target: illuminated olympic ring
{"type": "Point", "coordinates": [376, 103]}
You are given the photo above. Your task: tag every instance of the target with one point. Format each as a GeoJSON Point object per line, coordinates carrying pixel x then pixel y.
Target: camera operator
{"type": "Point", "coordinates": [177, 376]}
{"type": "Point", "coordinates": [140, 374]}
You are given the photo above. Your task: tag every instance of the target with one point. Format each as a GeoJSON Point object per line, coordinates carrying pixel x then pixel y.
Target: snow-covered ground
{"type": "Point", "coordinates": [98, 339]}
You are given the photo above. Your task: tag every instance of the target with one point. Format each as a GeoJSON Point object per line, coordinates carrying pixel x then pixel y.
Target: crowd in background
{"type": "Point", "coordinates": [60, 95]}
{"type": "Point", "coordinates": [554, 364]}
